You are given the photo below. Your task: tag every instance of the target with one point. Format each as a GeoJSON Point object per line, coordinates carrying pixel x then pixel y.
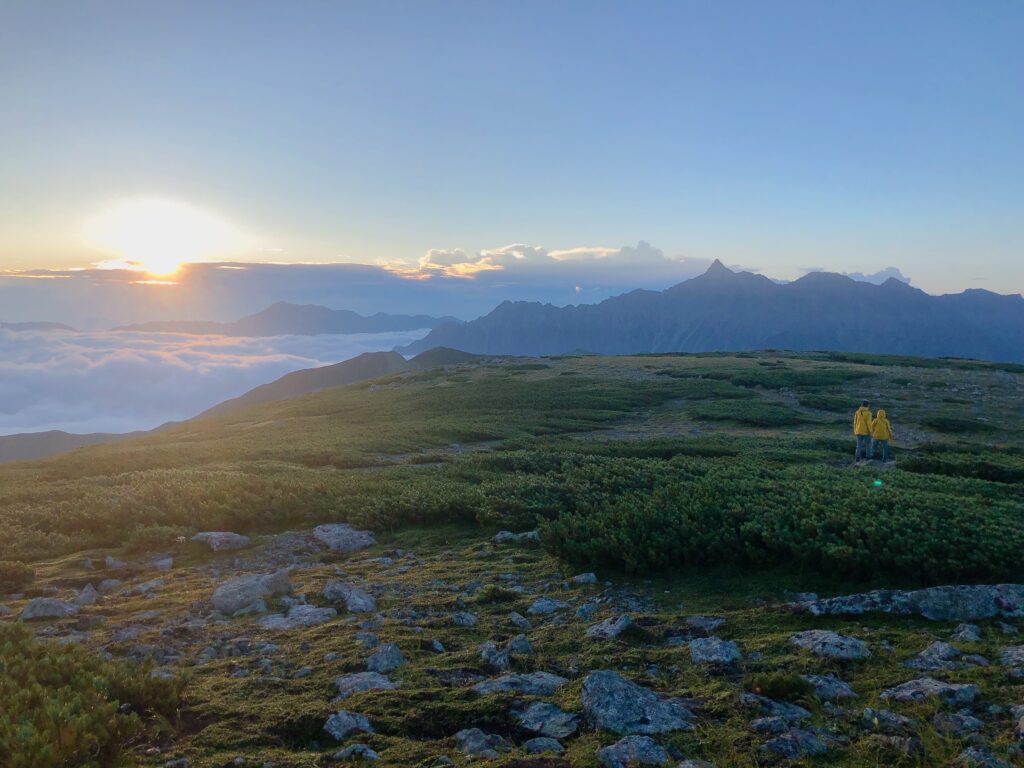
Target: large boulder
{"type": "Point", "coordinates": [830, 688]}
{"type": "Point", "coordinates": [357, 682]}
{"type": "Point", "coordinates": [953, 694]}
{"type": "Point", "coordinates": [298, 616]}
{"type": "Point", "coordinates": [339, 537]}
{"type": "Point", "coordinates": [715, 651]}
{"type": "Point", "coordinates": [341, 724]}
{"type": "Point", "coordinates": [356, 600]}
{"type": "Point", "coordinates": [545, 719]}
{"type": "Point", "coordinates": [946, 603]}
{"type": "Point", "coordinates": [476, 743]}
{"type": "Point", "coordinates": [830, 645]}
{"type": "Point", "coordinates": [221, 540]}
{"type": "Point", "coordinates": [386, 659]}
{"type": "Point", "coordinates": [543, 606]}
{"type": "Point", "coordinates": [238, 593]}
{"type": "Point", "coordinates": [612, 703]}
{"type": "Point", "coordinates": [610, 628]}
{"type": "Point", "coordinates": [47, 608]}
{"type": "Point", "coordinates": [531, 684]}
{"type": "Point", "coordinates": [633, 751]}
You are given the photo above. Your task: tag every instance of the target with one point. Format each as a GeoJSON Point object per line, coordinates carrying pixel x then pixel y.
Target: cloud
{"type": "Point", "coordinates": [119, 382]}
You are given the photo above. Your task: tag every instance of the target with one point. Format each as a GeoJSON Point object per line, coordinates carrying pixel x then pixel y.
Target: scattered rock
{"type": "Point", "coordinates": [507, 537]}
{"type": "Point", "coordinates": [1012, 656]}
{"type": "Point", "coordinates": [475, 742]}
{"type": "Point", "coordinates": [966, 633]}
{"type": "Point", "coordinates": [937, 655]}
{"type": "Point", "coordinates": [586, 610]}
{"type": "Point", "coordinates": [519, 621]}
{"type": "Point", "coordinates": [885, 721]}
{"type": "Point", "coordinates": [953, 694]}
{"type": "Point", "coordinates": [769, 726]}
{"type": "Point", "coordinates": [357, 682]}
{"type": "Point", "coordinates": [610, 702]}
{"type": "Point", "coordinates": [544, 718]}
{"type": "Point", "coordinates": [704, 625]}
{"type": "Point", "coordinates": [146, 587]}
{"type": "Point", "coordinates": [830, 645]}
{"type": "Point", "coordinates": [979, 757]}
{"type": "Point", "coordinates": [87, 595]}
{"type": "Point", "coordinates": [796, 743]}
{"type": "Point", "coordinates": [163, 564]}
{"type": "Point", "coordinates": [298, 616]}
{"type": "Point", "coordinates": [463, 619]}
{"type": "Point", "coordinates": [543, 606]}
{"type": "Point", "coordinates": [633, 751]}
{"type": "Point", "coordinates": [714, 650]}
{"type": "Point", "coordinates": [519, 646]}
{"type": "Point", "coordinates": [791, 713]}
{"type": "Point", "coordinates": [221, 540]}
{"type": "Point", "coordinates": [531, 684]}
{"type": "Point", "coordinates": [112, 563]}
{"type": "Point", "coordinates": [106, 586]}
{"type": "Point", "coordinates": [341, 724]}
{"type": "Point", "coordinates": [610, 628]}
{"type": "Point", "coordinates": [356, 600]}
{"type": "Point", "coordinates": [496, 658]}
{"type": "Point", "coordinates": [242, 591]}
{"type": "Point", "coordinates": [355, 752]}
{"type": "Point", "coordinates": [47, 608]}
{"type": "Point", "coordinates": [830, 688]}
{"type": "Point", "coordinates": [948, 603]}
{"type": "Point", "coordinates": [386, 659]}
{"type": "Point", "coordinates": [339, 537]}
{"type": "Point", "coordinates": [907, 746]}
{"type": "Point", "coordinates": [584, 578]}
{"type": "Point", "coordinates": [956, 723]}
{"type": "Point", "coordinates": [542, 744]}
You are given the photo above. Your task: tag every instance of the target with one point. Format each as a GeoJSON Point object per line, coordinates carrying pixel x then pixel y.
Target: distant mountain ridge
{"type": "Point", "coordinates": [38, 445]}
{"type": "Point", "coordinates": [36, 326]}
{"type": "Point", "coordinates": [295, 319]}
{"type": "Point", "coordinates": [723, 310]}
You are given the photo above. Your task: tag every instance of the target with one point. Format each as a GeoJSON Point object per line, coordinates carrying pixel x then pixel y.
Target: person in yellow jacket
{"type": "Point", "coordinates": [881, 433]}
{"type": "Point", "coordinates": [862, 431]}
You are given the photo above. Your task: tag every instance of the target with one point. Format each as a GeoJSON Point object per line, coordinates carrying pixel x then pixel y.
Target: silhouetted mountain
{"type": "Point", "coordinates": [297, 319]}
{"type": "Point", "coordinates": [36, 326]}
{"type": "Point", "coordinates": [37, 445]}
{"type": "Point", "coordinates": [734, 311]}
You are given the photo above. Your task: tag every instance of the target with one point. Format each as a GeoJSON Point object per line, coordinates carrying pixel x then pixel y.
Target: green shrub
{"type": "Point", "coordinates": [65, 706]}
{"type": "Point", "coordinates": [954, 425]}
{"type": "Point", "coordinates": [15, 576]}
{"type": "Point", "coordinates": [787, 686]}
{"type": "Point", "coordinates": [754, 413]}
{"type": "Point", "coordinates": [147, 538]}
{"type": "Point", "coordinates": [829, 402]}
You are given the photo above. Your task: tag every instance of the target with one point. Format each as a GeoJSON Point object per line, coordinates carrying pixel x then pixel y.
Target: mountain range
{"type": "Point", "coordinates": [295, 319]}
{"type": "Point", "coordinates": [723, 310]}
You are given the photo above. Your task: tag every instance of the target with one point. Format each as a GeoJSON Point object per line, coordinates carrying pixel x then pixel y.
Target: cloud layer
{"type": "Point", "coordinates": [119, 382]}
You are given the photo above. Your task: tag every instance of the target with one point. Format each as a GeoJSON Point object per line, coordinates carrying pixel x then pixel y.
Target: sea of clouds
{"type": "Point", "coordinates": [120, 382]}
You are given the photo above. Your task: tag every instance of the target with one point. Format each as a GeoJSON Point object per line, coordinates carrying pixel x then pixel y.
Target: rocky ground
{"type": "Point", "coordinates": [447, 647]}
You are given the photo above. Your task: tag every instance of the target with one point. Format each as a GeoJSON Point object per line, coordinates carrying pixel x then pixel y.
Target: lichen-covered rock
{"type": "Point", "coordinates": [979, 757]}
{"type": "Point", "coordinates": [463, 619]}
{"type": "Point", "coordinates": [520, 622]}
{"type": "Point", "coordinates": [938, 655]}
{"type": "Point", "coordinates": [526, 537]}
{"type": "Point", "coordinates": [531, 684]}
{"type": "Point", "coordinates": [956, 723]}
{"type": "Point", "coordinates": [47, 608]}
{"type": "Point", "coordinates": [610, 628]}
{"type": "Point", "coordinates": [339, 537]}
{"type": "Point", "coordinates": [87, 595]}
{"type": "Point", "coordinates": [1012, 656]}
{"type": "Point", "coordinates": [966, 633]}
{"type": "Point", "coordinates": [796, 743]}
{"type": "Point", "coordinates": [496, 658]}
{"type": "Point", "coordinates": [633, 751]}
{"type": "Point", "coordinates": [953, 694]}
{"type": "Point", "coordinates": [612, 703]}
{"type": "Point", "coordinates": [298, 616]}
{"type": "Point", "coordinates": [947, 603]}
{"type": "Point", "coordinates": [830, 645]}
{"type": "Point", "coordinates": [714, 650]}
{"type": "Point", "coordinates": [385, 659]}
{"type": "Point", "coordinates": [830, 688]}
{"type": "Point", "coordinates": [221, 540]}
{"type": "Point", "coordinates": [885, 721]}
{"type": "Point", "coordinates": [791, 713]}
{"type": "Point", "coordinates": [542, 744]}
{"type": "Point", "coordinates": [543, 606]}
{"type": "Point", "coordinates": [356, 600]}
{"type": "Point", "coordinates": [584, 578]}
{"type": "Point", "coordinates": [704, 625]}
{"type": "Point", "coordinates": [357, 682]}
{"type": "Point", "coordinates": [906, 746]}
{"type": "Point", "coordinates": [475, 742]}
{"type": "Point", "coordinates": [544, 718]}
{"type": "Point", "coordinates": [240, 592]}
{"type": "Point", "coordinates": [341, 724]}
{"type": "Point", "coordinates": [355, 752]}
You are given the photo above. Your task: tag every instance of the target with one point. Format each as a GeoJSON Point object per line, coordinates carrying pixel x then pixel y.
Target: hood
{"type": "Point", "coordinates": [881, 413]}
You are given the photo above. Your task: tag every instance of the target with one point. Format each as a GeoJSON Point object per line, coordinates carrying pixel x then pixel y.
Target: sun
{"type": "Point", "coordinates": [157, 236]}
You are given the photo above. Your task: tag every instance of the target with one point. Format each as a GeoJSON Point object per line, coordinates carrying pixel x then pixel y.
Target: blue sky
{"type": "Point", "coordinates": [779, 136]}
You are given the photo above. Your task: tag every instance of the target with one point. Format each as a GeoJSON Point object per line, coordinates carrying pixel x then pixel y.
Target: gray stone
{"type": "Point", "coordinates": [947, 603]}
{"type": "Point", "coordinates": [47, 608]}
{"type": "Point", "coordinates": [386, 659]}
{"type": "Point", "coordinates": [953, 694]}
{"type": "Point", "coordinates": [256, 606]}
{"type": "Point", "coordinates": [633, 751]}
{"type": "Point", "coordinates": [938, 655]}
{"type": "Point", "coordinates": [830, 645]}
{"type": "Point", "coordinates": [769, 726]}
{"type": "Point", "coordinates": [979, 757]}
{"type": "Point", "coordinates": [87, 595]}
{"type": "Point", "coordinates": [342, 723]}
{"type": "Point", "coordinates": [531, 684]}
{"type": "Point", "coordinates": [908, 746]}
{"type": "Point", "coordinates": [714, 650]}
{"type": "Point", "coordinates": [106, 586]}
{"type": "Point", "coordinates": [610, 628]}
{"type": "Point", "coordinates": [545, 719]}
{"type": "Point", "coordinates": [496, 658]}
{"type": "Point", "coordinates": [473, 741]}
{"type": "Point", "coordinates": [830, 688]}
{"type": "Point", "coordinates": [704, 625]}
{"type": "Point", "coordinates": [610, 702]}
{"type": "Point", "coordinates": [885, 721]}
{"type": "Point", "coordinates": [357, 682]}
{"type": "Point", "coordinates": [796, 743]}
{"type": "Point", "coordinates": [791, 713]}
{"type": "Point", "coordinates": [298, 616]}
{"type": "Point", "coordinates": [113, 563]}
{"type": "Point", "coordinates": [1012, 656]}
{"type": "Point", "coordinates": [967, 633]}
{"type": "Point", "coordinates": [542, 744]}
{"type": "Point", "coordinates": [355, 752]}
{"type": "Point", "coordinates": [584, 578]}
{"type": "Point", "coordinates": [221, 540]}
{"type": "Point", "coordinates": [235, 594]}
{"type": "Point", "coordinates": [163, 564]}
{"type": "Point", "coordinates": [543, 606]}
{"type": "Point", "coordinates": [146, 587]}
{"type": "Point", "coordinates": [356, 600]}
{"type": "Point", "coordinates": [586, 611]}
{"type": "Point", "coordinates": [463, 619]}
{"type": "Point", "coordinates": [520, 622]}
{"type": "Point", "coordinates": [956, 723]}
{"type": "Point", "coordinates": [339, 537]}
{"type": "Point", "coordinates": [520, 646]}
{"type": "Point", "coordinates": [507, 537]}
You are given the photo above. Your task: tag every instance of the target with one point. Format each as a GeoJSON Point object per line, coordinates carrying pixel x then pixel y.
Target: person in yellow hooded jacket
{"type": "Point", "coordinates": [862, 431]}
{"type": "Point", "coordinates": [881, 433]}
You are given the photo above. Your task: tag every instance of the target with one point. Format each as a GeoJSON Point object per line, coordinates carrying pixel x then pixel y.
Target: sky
{"type": "Point", "coordinates": [473, 151]}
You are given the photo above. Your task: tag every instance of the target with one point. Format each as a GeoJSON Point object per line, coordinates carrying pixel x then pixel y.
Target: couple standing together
{"type": "Point", "coordinates": [870, 431]}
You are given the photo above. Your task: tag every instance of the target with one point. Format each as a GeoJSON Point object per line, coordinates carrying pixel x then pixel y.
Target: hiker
{"type": "Point", "coordinates": [862, 430]}
{"type": "Point", "coordinates": [881, 433]}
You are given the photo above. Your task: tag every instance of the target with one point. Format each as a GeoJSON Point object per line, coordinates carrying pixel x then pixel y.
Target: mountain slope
{"type": "Point", "coordinates": [37, 445]}
{"type": "Point", "coordinates": [297, 319]}
{"type": "Point", "coordinates": [723, 310]}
